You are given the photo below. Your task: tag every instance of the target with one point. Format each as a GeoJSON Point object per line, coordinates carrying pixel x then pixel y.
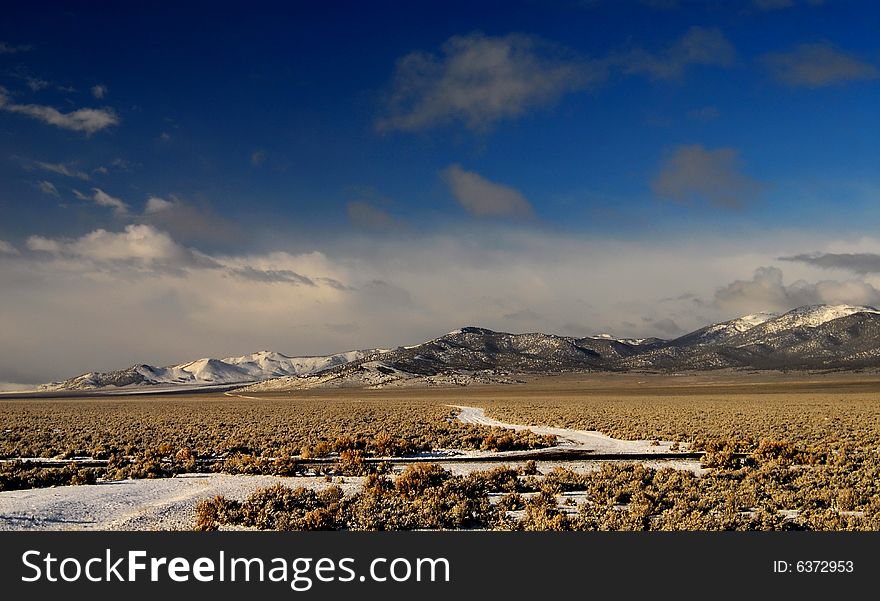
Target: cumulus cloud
{"type": "Point", "coordinates": [138, 246]}
{"type": "Point", "coordinates": [86, 120]}
{"type": "Point", "coordinates": [695, 173]}
{"type": "Point", "coordinates": [60, 168]}
{"type": "Point", "coordinates": [767, 291]}
{"type": "Point", "coordinates": [699, 46]}
{"type": "Point", "coordinates": [99, 91]}
{"type": "Point", "coordinates": [479, 80]}
{"type": "Point", "coordinates": [484, 198]}
{"type": "Point", "coordinates": [7, 249]}
{"type": "Point", "coordinates": [818, 65]}
{"type": "Point", "coordinates": [103, 199]}
{"type": "Point", "coordinates": [860, 263]}
{"type": "Point", "coordinates": [155, 204]}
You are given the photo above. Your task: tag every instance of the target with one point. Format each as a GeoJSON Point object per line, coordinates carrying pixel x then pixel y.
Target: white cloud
{"type": "Point", "coordinates": [479, 80]}
{"type": "Point", "coordinates": [7, 249]}
{"type": "Point", "coordinates": [103, 199]}
{"type": "Point", "coordinates": [41, 244]}
{"type": "Point", "coordinates": [156, 204]}
{"type": "Point", "coordinates": [818, 65]}
{"type": "Point", "coordinates": [140, 295]}
{"type": "Point", "coordinates": [485, 198]}
{"type": "Point", "coordinates": [766, 291]}
{"type": "Point", "coordinates": [699, 46]}
{"type": "Point", "coordinates": [696, 173]}
{"type": "Point", "coordinates": [60, 169]}
{"type": "Point", "coordinates": [99, 91]}
{"type": "Point", "coordinates": [86, 120]}
{"type": "Point", "coordinates": [140, 246]}
{"type": "Point", "coordinates": [36, 84]}
{"type": "Point", "coordinates": [48, 188]}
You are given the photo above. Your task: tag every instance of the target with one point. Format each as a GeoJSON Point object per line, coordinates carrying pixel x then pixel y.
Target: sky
{"type": "Point", "coordinates": [182, 180]}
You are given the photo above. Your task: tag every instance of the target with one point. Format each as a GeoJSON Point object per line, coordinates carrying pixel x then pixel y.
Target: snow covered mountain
{"type": "Point", "coordinates": [809, 337]}
{"type": "Point", "coordinates": [255, 367]}
{"type": "Point", "coordinates": [812, 337]}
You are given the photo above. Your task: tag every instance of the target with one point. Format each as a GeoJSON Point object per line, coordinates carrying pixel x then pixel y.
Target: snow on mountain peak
{"type": "Point", "coordinates": [747, 322]}
{"type": "Point", "coordinates": [815, 315]}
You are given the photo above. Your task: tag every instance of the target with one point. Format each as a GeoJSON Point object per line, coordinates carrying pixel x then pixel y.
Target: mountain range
{"type": "Point", "coordinates": [255, 367]}
{"type": "Point", "coordinates": [823, 337]}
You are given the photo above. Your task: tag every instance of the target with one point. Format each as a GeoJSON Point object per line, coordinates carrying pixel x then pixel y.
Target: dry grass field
{"type": "Point", "coordinates": [156, 436]}
{"type": "Point", "coordinates": [786, 451]}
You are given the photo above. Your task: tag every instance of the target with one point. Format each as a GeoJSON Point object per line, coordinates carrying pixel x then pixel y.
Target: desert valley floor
{"type": "Point", "coordinates": [734, 450]}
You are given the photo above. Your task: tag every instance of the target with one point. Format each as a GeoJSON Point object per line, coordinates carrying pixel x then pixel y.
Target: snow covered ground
{"type": "Point", "coordinates": [169, 503]}
{"type": "Point", "coordinates": [160, 504]}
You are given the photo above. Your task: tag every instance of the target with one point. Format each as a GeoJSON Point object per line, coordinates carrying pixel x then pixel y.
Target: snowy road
{"type": "Point", "coordinates": [587, 439]}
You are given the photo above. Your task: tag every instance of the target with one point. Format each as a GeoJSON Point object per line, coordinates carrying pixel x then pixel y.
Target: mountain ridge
{"type": "Point", "coordinates": [808, 337]}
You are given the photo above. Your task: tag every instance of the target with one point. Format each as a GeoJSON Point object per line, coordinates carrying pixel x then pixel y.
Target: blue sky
{"type": "Point", "coordinates": [193, 148]}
